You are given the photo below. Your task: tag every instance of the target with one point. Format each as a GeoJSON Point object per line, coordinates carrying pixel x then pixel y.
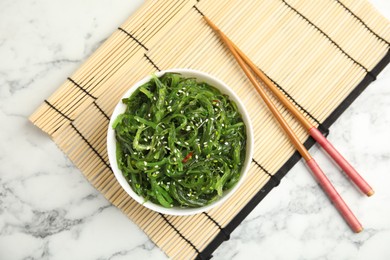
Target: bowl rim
{"type": "Point", "coordinates": [111, 142]}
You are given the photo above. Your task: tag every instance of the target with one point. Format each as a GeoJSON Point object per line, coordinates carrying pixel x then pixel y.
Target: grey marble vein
{"type": "Point", "coordinates": [48, 210]}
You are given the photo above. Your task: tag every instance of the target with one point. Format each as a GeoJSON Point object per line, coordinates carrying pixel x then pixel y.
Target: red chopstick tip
{"type": "Point", "coordinates": [370, 193]}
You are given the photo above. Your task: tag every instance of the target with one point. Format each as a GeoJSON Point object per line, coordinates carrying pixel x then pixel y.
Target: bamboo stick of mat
{"type": "Point", "coordinates": [311, 163]}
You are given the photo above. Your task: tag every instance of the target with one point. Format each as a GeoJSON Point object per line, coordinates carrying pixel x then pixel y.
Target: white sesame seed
{"type": "Point", "coordinates": [145, 163]}
{"type": "Point", "coordinates": [226, 143]}
{"type": "Point", "coordinates": [156, 166]}
{"type": "Point", "coordinates": [174, 158]}
{"type": "Point", "coordinates": [154, 98]}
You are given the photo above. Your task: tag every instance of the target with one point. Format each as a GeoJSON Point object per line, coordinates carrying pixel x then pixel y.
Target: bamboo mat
{"type": "Point", "coordinates": [322, 54]}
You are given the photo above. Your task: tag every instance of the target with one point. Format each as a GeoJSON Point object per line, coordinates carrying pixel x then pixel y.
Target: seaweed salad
{"type": "Point", "coordinates": [180, 142]}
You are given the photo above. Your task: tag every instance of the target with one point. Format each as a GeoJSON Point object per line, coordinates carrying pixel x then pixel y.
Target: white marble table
{"type": "Point", "coordinates": [49, 211]}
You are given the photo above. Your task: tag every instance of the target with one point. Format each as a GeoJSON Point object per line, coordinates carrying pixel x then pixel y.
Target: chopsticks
{"type": "Point", "coordinates": [327, 186]}
{"type": "Point", "coordinates": [313, 131]}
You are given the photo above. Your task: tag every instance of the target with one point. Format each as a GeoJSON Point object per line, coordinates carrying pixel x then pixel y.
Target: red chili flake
{"type": "Point", "coordinates": [216, 101]}
{"type": "Point", "coordinates": [189, 155]}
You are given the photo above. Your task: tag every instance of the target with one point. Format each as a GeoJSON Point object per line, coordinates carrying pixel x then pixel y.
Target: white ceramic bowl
{"type": "Point", "coordinates": [111, 143]}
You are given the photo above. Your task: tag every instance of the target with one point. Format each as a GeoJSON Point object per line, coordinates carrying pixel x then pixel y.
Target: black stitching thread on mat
{"type": "Point", "coordinates": [330, 39]}
{"type": "Point", "coordinates": [362, 22]}
{"type": "Point", "coordinates": [227, 235]}
{"type": "Point", "coordinates": [90, 146]}
{"type": "Point", "coordinates": [196, 8]}
{"type": "Point", "coordinates": [101, 111]}
{"type": "Point", "coordinates": [150, 60]}
{"type": "Point", "coordinates": [132, 37]}
{"type": "Point", "coordinates": [180, 234]}
{"type": "Point", "coordinates": [80, 87]}
{"type": "Point", "coordinates": [57, 110]}
{"type": "Point", "coordinates": [292, 99]}
{"type": "Point", "coordinates": [274, 178]}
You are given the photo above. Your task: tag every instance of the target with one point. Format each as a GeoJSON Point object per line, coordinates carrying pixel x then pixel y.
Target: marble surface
{"type": "Point", "coordinates": [49, 211]}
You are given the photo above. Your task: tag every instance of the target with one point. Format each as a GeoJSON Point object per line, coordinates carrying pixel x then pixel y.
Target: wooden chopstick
{"type": "Point", "coordinates": [313, 131]}
{"type": "Point", "coordinates": [311, 163]}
